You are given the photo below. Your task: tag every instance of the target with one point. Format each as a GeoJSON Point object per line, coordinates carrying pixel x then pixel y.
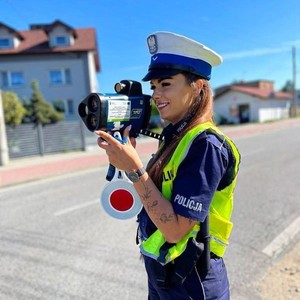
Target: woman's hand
{"type": "Point", "coordinates": [160, 210]}
{"type": "Point", "coordinates": [122, 156]}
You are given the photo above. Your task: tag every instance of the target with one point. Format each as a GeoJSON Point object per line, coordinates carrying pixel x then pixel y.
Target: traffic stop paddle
{"type": "Point", "coordinates": [119, 198]}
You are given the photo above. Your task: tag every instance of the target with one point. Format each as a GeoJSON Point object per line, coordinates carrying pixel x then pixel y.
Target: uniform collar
{"type": "Point", "coordinates": [172, 131]}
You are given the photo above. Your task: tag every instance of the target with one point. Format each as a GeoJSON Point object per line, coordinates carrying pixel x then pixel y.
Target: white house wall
{"type": "Point", "coordinates": [38, 67]}
{"type": "Point", "coordinates": [93, 85]}
{"type": "Point", "coordinates": [225, 102]}
{"type": "Point", "coordinates": [4, 33]}
{"type": "Point", "coordinates": [59, 31]}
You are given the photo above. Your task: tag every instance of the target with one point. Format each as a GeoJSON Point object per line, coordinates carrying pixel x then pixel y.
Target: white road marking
{"type": "Point", "coordinates": [283, 239]}
{"type": "Point", "coordinates": [76, 207]}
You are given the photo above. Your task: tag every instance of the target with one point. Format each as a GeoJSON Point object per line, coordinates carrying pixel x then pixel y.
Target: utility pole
{"type": "Point", "coordinates": [3, 139]}
{"type": "Point", "coordinates": [295, 106]}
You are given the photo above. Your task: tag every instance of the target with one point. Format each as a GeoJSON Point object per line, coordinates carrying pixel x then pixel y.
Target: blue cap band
{"type": "Point", "coordinates": [182, 63]}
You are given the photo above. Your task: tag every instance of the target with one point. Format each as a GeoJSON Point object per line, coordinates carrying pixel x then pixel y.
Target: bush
{"type": "Point", "coordinates": [38, 110]}
{"type": "Point", "coordinates": [12, 108]}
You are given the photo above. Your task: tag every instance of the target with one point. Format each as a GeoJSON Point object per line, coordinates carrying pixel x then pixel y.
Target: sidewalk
{"type": "Point", "coordinates": [35, 168]}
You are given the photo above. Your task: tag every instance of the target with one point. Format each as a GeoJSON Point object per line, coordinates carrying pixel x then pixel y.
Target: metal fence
{"type": "Point", "coordinates": [29, 140]}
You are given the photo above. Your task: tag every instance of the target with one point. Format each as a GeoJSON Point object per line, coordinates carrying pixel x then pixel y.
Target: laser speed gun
{"type": "Point", "coordinates": [114, 112]}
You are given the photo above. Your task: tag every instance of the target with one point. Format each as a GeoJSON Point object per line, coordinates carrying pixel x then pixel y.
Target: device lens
{"type": "Point", "coordinates": [92, 121]}
{"type": "Point", "coordinates": [93, 103]}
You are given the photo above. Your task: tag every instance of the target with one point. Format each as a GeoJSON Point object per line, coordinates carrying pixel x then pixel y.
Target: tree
{"type": "Point", "coordinates": [59, 105]}
{"type": "Point", "coordinates": [38, 110]}
{"type": "Point", "coordinates": [154, 111]}
{"type": "Point", "coordinates": [288, 87]}
{"type": "Point", "coordinates": [13, 109]}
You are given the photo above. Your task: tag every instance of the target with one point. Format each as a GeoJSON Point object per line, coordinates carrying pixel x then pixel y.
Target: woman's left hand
{"type": "Point", "coordinates": [121, 155]}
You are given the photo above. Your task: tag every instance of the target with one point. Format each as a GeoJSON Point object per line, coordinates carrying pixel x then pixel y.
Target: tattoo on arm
{"type": "Point", "coordinates": [146, 196]}
{"type": "Point", "coordinates": [152, 205]}
{"type": "Point", "coordinates": [164, 218]}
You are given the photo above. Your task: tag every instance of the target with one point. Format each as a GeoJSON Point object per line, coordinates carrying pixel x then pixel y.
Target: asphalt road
{"type": "Point", "coordinates": [267, 207]}
{"type": "Point", "coordinates": [57, 243]}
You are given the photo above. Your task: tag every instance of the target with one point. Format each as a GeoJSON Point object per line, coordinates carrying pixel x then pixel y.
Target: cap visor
{"type": "Point", "coordinates": [160, 73]}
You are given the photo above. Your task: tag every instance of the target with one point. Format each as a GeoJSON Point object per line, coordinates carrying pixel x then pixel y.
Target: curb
{"type": "Point", "coordinates": [36, 168]}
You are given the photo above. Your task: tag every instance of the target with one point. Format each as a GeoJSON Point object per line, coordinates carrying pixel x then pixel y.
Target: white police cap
{"type": "Point", "coordinates": [173, 53]}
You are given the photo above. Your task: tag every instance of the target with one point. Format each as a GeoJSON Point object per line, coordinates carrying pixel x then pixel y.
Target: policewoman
{"type": "Point", "coordinates": [188, 185]}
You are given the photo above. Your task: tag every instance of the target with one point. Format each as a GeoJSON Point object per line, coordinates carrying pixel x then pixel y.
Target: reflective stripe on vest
{"type": "Point", "coordinates": [220, 209]}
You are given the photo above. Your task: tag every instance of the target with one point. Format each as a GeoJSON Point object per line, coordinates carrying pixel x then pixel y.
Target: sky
{"type": "Point", "coordinates": [255, 38]}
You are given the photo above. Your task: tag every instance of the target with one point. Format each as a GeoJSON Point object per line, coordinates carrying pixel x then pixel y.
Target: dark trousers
{"type": "Point", "coordinates": [214, 286]}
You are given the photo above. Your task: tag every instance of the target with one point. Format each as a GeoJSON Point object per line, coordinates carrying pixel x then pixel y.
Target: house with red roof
{"type": "Point", "coordinates": [64, 60]}
{"type": "Point", "coordinates": [255, 101]}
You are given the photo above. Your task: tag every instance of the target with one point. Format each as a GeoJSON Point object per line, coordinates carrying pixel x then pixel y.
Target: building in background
{"type": "Point", "coordinates": [64, 60]}
{"type": "Point", "coordinates": [254, 101]}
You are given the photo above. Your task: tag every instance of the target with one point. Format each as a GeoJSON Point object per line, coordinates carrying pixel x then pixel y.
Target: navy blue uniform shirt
{"type": "Point", "coordinates": [198, 177]}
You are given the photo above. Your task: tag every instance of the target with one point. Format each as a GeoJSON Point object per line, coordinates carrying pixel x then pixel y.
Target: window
{"type": "Point", "coordinates": [17, 79]}
{"type": "Point", "coordinates": [4, 79]}
{"type": "Point", "coordinates": [4, 43]}
{"type": "Point", "coordinates": [12, 79]}
{"type": "Point", "coordinates": [70, 107]}
{"type": "Point", "coordinates": [61, 41]}
{"type": "Point", "coordinates": [60, 76]}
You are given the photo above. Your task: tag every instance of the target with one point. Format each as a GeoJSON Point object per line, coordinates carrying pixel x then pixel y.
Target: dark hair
{"type": "Point", "coordinates": [200, 111]}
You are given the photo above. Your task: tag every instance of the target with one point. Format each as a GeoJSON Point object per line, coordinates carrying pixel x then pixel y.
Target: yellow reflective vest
{"type": "Point", "coordinates": [219, 212]}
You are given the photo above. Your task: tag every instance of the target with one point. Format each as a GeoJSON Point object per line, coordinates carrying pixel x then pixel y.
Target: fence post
{"type": "Point", "coordinates": [82, 136]}
{"type": "Point", "coordinates": [4, 158]}
{"type": "Point", "coordinates": [41, 139]}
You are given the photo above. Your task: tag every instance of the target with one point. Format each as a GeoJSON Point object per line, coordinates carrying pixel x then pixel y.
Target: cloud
{"type": "Point", "coordinates": [286, 46]}
{"type": "Point", "coordinates": [255, 52]}
{"type": "Point", "coordinates": [295, 43]}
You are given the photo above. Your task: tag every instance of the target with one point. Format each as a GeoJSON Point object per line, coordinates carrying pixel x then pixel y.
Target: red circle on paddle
{"type": "Point", "coordinates": [121, 200]}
